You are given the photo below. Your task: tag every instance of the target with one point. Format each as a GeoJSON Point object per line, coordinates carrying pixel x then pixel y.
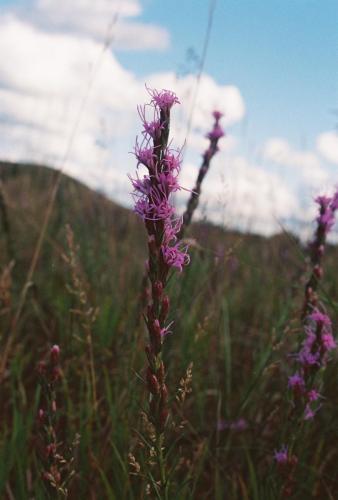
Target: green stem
{"type": "Point", "coordinates": [161, 464]}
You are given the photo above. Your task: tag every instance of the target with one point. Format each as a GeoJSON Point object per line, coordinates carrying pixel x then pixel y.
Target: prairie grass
{"type": "Point", "coordinates": [237, 308]}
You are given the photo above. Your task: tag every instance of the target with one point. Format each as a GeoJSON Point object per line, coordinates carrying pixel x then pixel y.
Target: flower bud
{"type": "Point", "coordinates": [164, 394]}
{"type": "Point", "coordinates": [50, 449]}
{"type": "Point", "coordinates": [41, 416]}
{"type": "Point", "coordinates": [56, 374]}
{"type": "Point", "coordinates": [164, 308]}
{"type": "Point", "coordinates": [150, 314]}
{"type": "Point", "coordinates": [318, 271]}
{"type": "Point", "coordinates": [152, 245]}
{"type": "Point", "coordinates": [55, 354]}
{"type": "Point", "coordinates": [321, 250]}
{"type": "Point", "coordinates": [41, 368]}
{"type": "Point", "coordinates": [153, 385]}
{"type": "Point", "coordinates": [158, 289]}
{"type": "Point", "coordinates": [156, 336]}
{"type": "Point", "coordinates": [160, 373]}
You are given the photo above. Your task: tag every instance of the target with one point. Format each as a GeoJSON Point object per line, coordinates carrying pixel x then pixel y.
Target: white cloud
{"type": "Point", "coordinates": [327, 145]}
{"type": "Point", "coordinates": [64, 10]}
{"type": "Point", "coordinates": [279, 151]}
{"type": "Point", "coordinates": [240, 194]}
{"type": "Point", "coordinates": [211, 96]}
{"type": "Point", "coordinates": [100, 20]}
{"type": "Point", "coordinates": [42, 86]}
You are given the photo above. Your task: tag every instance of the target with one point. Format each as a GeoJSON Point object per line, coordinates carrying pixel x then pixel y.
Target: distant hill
{"type": "Point", "coordinates": [109, 234]}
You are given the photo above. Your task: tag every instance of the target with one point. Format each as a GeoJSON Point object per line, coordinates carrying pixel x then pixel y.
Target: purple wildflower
{"type": "Point", "coordinates": [153, 203]}
{"type": "Point", "coordinates": [174, 256]}
{"type": "Point", "coordinates": [320, 317]}
{"type": "Point", "coordinates": [313, 395]}
{"type": "Point", "coordinates": [238, 425]}
{"type": "Point", "coordinates": [217, 115]}
{"type": "Point", "coordinates": [328, 342]}
{"type": "Point", "coordinates": [152, 127]}
{"type": "Point", "coordinates": [296, 383]}
{"type": "Point", "coordinates": [145, 156]}
{"type": "Point", "coordinates": [217, 131]}
{"type": "Point", "coordinates": [307, 359]}
{"type": "Point", "coordinates": [309, 413]}
{"type": "Point", "coordinates": [281, 456]}
{"type": "Point", "coordinates": [163, 99]}
{"type": "Point", "coordinates": [214, 135]}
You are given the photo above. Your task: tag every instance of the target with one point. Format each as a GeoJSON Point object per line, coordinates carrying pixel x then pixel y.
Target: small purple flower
{"type": "Point", "coordinates": [328, 342]}
{"type": "Point", "coordinates": [296, 382]}
{"type": "Point", "coordinates": [172, 161]}
{"type": "Point", "coordinates": [164, 99]}
{"type": "Point", "coordinates": [142, 186]}
{"type": "Point", "coordinates": [313, 395]}
{"type": "Point", "coordinates": [307, 358]}
{"type": "Point", "coordinates": [320, 317]}
{"type": "Point", "coordinates": [217, 115]}
{"type": "Point", "coordinates": [153, 127]}
{"type": "Point", "coordinates": [168, 183]}
{"type": "Point", "coordinates": [327, 208]}
{"type": "Point", "coordinates": [309, 413]}
{"type": "Point", "coordinates": [145, 156]}
{"type": "Point", "coordinates": [175, 257]}
{"type": "Point", "coordinates": [281, 456]}
{"type": "Point", "coordinates": [216, 133]}
{"type": "Point", "coordinates": [171, 230]}
{"type": "Point", "coordinates": [238, 425]}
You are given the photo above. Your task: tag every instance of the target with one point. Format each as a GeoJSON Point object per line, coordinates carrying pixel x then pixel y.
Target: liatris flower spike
{"type": "Point", "coordinates": [319, 341]}
{"type": "Point", "coordinates": [315, 349]}
{"type": "Point", "coordinates": [57, 467]}
{"type": "Point", "coordinates": [214, 135]}
{"type": "Point", "coordinates": [325, 222]}
{"type": "Point", "coordinates": [152, 194]}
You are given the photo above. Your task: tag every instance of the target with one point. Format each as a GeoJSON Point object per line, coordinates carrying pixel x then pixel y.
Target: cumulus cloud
{"type": "Point", "coordinates": [279, 151]}
{"type": "Point", "coordinates": [241, 194]}
{"type": "Point", "coordinates": [327, 146]}
{"type": "Point", "coordinates": [101, 20]}
{"type": "Point", "coordinates": [42, 89]}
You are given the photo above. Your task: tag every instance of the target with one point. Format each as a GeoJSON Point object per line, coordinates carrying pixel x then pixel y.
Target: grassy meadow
{"type": "Point", "coordinates": [236, 311]}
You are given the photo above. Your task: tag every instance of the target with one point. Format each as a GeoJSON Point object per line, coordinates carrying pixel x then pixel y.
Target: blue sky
{"type": "Point", "coordinates": [271, 67]}
{"type": "Point", "coordinates": [283, 55]}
